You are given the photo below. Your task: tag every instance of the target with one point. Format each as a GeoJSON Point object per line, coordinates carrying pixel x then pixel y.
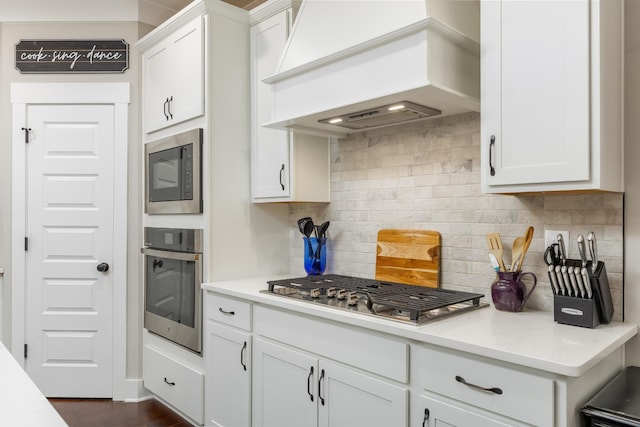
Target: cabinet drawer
{"type": "Point", "coordinates": [380, 354]}
{"type": "Point", "coordinates": [228, 311]}
{"type": "Point", "coordinates": [174, 382]}
{"type": "Point", "coordinates": [516, 394]}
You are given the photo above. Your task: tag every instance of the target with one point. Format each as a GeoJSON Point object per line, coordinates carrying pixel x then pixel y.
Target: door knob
{"type": "Point", "coordinates": [103, 267]}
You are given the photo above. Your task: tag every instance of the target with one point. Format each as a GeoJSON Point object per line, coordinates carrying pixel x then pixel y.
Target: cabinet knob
{"type": "Point", "coordinates": [103, 267]}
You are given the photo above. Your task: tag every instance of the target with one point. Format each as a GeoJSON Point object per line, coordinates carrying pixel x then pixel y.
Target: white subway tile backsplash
{"type": "Point", "coordinates": [427, 175]}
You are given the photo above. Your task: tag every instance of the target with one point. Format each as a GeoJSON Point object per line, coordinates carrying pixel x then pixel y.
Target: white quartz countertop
{"type": "Point", "coordinates": [528, 338]}
{"type": "Point", "coordinates": [23, 404]}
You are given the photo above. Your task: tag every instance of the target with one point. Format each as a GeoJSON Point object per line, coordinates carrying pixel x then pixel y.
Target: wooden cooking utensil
{"type": "Point", "coordinates": [516, 253]}
{"type": "Point", "coordinates": [526, 242]}
{"type": "Point", "coordinates": [495, 247]}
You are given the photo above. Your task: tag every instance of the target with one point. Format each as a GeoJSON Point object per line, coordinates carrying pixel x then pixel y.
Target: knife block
{"type": "Point", "coordinates": [584, 312]}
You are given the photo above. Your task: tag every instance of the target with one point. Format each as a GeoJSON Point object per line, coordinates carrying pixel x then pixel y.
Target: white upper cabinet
{"type": "Point", "coordinates": [174, 78]}
{"type": "Point", "coordinates": [286, 167]}
{"type": "Point", "coordinates": [551, 96]}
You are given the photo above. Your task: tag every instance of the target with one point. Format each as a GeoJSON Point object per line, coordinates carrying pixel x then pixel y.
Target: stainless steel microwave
{"type": "Point", "coordinates": [173, 174]}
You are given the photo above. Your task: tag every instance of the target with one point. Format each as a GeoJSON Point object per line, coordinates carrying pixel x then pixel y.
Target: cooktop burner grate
{"type": "Point", "coordinates": [381, 298]}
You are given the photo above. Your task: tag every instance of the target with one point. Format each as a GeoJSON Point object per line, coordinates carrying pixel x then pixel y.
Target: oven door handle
{"type": "Point", "coordinates": [180, 256]}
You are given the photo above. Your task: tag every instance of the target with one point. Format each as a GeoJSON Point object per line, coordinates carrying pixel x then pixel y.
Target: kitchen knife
{"type": "Point", "coordinates": [562, 249]}
{"type": "Point", "coordinates": [561, 281]}
{"type": "Point", "coordinates": [587, 283]}
{"type": "Point", "coordinates": [554, 280]}
{"type": "Point", "coordinates": [572, 280]}
{"type": "Point", "coordinates": [578, 273]}
{"type": "Point", "coordinates": [582, 249]}
{"type": "Point", "coordinates": [565, 280]}
{"type": "Point", "coordinates": [593, 250]}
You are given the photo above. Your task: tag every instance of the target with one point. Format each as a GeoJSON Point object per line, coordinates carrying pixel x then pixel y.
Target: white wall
{"type": "Point", "coordinates": [632, 171]}
{"type": "Point", "coordinates": [426, 175]}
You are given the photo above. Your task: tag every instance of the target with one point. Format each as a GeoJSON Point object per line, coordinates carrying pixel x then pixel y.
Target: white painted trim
{"type": "Point", "coordinates": [73, 93]}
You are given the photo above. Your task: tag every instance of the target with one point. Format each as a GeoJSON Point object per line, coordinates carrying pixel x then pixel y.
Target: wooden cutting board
{"type": "Point", "coordinates": [409, 256]}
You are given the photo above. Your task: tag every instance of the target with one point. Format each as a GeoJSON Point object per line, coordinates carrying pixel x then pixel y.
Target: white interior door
{"type": "Point", "coordinates": [70, 225]}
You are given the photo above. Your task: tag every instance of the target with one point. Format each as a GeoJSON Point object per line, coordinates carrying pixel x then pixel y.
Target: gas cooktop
{"type": "Point", "coordinates": [396, 301]}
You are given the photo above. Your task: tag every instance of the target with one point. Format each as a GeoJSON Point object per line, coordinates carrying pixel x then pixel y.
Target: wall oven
{"type": "Point", "coordinates": [173, 174]}
{"type": "Point", "coordinates": [173, 276]}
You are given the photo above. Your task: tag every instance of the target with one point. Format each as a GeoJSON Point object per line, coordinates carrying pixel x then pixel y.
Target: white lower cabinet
{"type": "Point", "coordinates": [227, 355]}
{"type": "Point", "coordinates": [293, 389]}
{"type": "Point", "coordinates": [441, 413]}
{"type": "Point", "coordinates": [174, 382]}
{"type": "Point", "coordinates": [499, 390]}
{"type": "Point", "coordinates": [306, 371]}
{"type": "Point", "coordinates": [228, 387]}
{"type": "Point", "coordinates": [284, 385]}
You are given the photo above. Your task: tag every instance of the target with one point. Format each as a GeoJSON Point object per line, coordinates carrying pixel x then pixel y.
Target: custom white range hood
{"type": "Point", "coordinates": [352, 65]}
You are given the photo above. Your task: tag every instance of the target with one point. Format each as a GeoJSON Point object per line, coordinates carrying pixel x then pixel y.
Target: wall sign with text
{"type": "Point", "coordinates": [72, 56]}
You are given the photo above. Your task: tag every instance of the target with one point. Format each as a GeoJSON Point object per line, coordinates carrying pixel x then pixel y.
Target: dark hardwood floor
{"type": "Point", "coordinates": [107, 413]}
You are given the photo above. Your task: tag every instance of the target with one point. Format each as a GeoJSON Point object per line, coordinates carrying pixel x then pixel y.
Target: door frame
{"type": "Point", "coordinates": [118, 95]}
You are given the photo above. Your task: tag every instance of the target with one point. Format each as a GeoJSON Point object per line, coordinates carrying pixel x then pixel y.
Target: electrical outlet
{"type": "Point", "coordinates": [551, 236]}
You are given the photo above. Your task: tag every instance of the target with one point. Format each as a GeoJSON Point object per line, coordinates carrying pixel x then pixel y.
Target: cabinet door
{"type": "Point", "coordinates": [270, 147]}
{"type": "Point", "coordinates": [188, 72]}
{"type": "Point", "coordinates": [535, 92]}
{"type": "Point", "coordinates": [436, 413]}
{"type": "Point", "coordinates": [228, 382]}
{"type": "Point", "coordinates": [351, 399]}
{"type": "Point", "coordinates": [158, 78]}
{"type": "Point", "coordinates": [284, 386]}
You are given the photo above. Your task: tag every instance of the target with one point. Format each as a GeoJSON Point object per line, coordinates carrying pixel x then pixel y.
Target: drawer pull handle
{"type": "Point", "coordinates": [171, 383]}
{"type": "Point", "coordinates": [244, 349]}
{"type": "Point", "coordinates": [309, 384]}
{"type": "Point", "coordinates": [320, 387]}
{"type": "Point", "coordinates": [166, 106]}
{"type": "Point", "coordinates": [228, 313]}
{"type": "Point", "coordinates": [495, 390]}
{"type": "Point", "coordinates": [491, 168]}
{"type": "Point", "coordinates": [426, 417]}
{"type": "Point", "coordinates": [281, 172]}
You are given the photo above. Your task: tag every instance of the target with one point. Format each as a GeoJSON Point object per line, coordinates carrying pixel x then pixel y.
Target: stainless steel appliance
{"type": "Point", "coordinates": [173, 276]}
{"type": "Point", "coordinates": [409, 304]}
{"type": "Point", "coordinates": [173, 180]}
{"type": "Point", "coordinates": [618, 403]}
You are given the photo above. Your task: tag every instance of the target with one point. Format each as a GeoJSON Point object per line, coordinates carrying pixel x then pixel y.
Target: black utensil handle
{"type": "Point", "coordinates": [491, 143]}
{"type": "Point", "coordinates": [495, 390]}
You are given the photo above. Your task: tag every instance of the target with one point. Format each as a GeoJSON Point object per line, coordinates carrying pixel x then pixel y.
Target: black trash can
{"type": "Point", "coordinates": [618, 403]}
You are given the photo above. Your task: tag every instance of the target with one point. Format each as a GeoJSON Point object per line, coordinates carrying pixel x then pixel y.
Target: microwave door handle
{"type": "Point", "coordinates": [180, 256]}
